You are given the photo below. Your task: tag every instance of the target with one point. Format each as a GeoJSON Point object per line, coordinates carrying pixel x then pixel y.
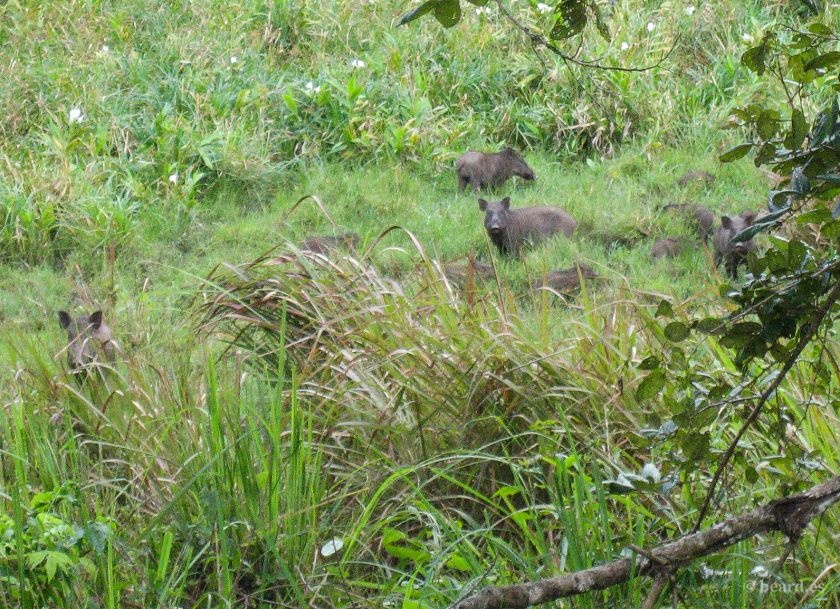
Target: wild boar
{"type": "Point", "coordinates": [461, 274]}
{"type": "Point", "coordinates": [701, 217]}
{"type": "Point", "coordinates": [565, 280]}
{"type": "Point", "coordinates": [696, 176]}
{"type": "Point", "coordinates": [733, 254]}
{"type": "Point", "coordinates": [87, 337]}
{"type": "Point", "coordinates": [511, 229]}
{"type": "Point", "coordinates": [666, 248]}
{"type": "Point", "coordinates": [326, 244]}
{"type": "Point", "coordinates": [490, 169]}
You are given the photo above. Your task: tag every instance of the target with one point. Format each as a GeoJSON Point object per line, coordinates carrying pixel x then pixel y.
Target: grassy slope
{"type": "Point", "coordinates": [184, 451]}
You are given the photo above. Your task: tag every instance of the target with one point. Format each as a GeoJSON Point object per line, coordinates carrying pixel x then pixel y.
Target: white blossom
{"type": "Point", "coordinates": [689, 10]}
{"type": "Point", "coordinates": [310, 88]}
{"type": "Point", "coordinates": [651, 472]}
{"type": "Point", "coordinates": [651, 26]}
{"type": "Point", "coordinates": [624, 46]}
{"type": "Point", "coordinates": [174, 178]}
{"type": "Point", "coordinates": [234, 59]}
{"type": "Point", "coordinates": [748, 38]}
{"type": "Point", "coordinates": [357, 63]}
{"type": "Point", "coordinates": [105, 48]}
{"type": "Point", "coordinates": [76, 115]}
{"type": "Point", "coordinates": [332, 546]}
{"type": "Point", "coordinates": [543, 8]}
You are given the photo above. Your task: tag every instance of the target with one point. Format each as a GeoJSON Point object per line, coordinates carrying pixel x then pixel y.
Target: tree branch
{"type": "Point", "coordinates": [789, 515]}
{"type": "Point", "coordinates": [539, 40]}
{"type": "Point", "coordinates": [806, 337]}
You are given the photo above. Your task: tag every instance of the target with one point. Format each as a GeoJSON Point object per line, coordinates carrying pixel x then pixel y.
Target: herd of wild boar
{"type": "Point", "coordinates": [509, 229]}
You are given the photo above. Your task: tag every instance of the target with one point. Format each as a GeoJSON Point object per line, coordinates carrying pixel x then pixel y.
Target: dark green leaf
{"type": "Point", "coordinates": [765, 154]}
{"type": "Point", "coordinates": [835, 213]}
{"type": "Point", "coordinates": [417, 12]}
{"type": "Point", "coordinates": [651, 385]}
{"type": "Point", "coordinates": [817, 216]}
{"type": "Point", "coordinates": [798, 130]}
{"type": "Point", "coordinates": [649, 363]}
{"type": "Point", "coordinates": [571, 19]}
{"type": "Point", "coordinates": [735, 153]}
{"type": "Point", "coordinates": [676, 332]}
{"type": "Point", "coordinates": [824, 124]}
{"type": "Point", "coordinates": [745, 328]}
{"type": "Point", "coordinates": [820, 29]}
{"type": "Point", "coordinates": [751, 475]}
{"type": "Point", "coordinates": [756, 58]}
{"type": "Point", "coordinates": [767, 124]}
{"type": "Point", "coordinates": [832, 229]}
{"type": "Point", "coordinates": [478, 2]}
{"type": "Point", "coordinates": [448, 12]}
{"type": "Point", "coordinates": [827, 60]}
{"type": "Point", "coordinates": [600, 23]}
{"type": "Point", "coordinates": [664, 309]}
{"type": "Point", "coordinates": [710, 325]}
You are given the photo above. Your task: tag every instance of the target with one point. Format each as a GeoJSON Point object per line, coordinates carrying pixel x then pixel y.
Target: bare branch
{"type": "Point", "coordinates": [539, 40]}
{"type": "Point", "coordinates": [789, 515]}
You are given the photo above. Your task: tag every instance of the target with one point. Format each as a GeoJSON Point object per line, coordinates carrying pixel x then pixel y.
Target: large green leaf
{"type": "Point", "coordinates": [417, 12]}
{"type": "Point", "coordinates": [571, 19]}
{"type": "Point", "coordinates": [735, 153]}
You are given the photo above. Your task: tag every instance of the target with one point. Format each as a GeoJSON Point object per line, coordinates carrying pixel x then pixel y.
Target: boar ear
{"type": "Point", "coordinates": [726, 222]}
{"type": "Point", "coordinates": [748, 216]}
{"type": "Point", "coordinates": [95, 319]}
{"type": "Point", "coordinates": [482, 205]}
{"type": "Point", "coordinates": [506, 203]}
{"type": "Point", "coordinates": [64, 319]}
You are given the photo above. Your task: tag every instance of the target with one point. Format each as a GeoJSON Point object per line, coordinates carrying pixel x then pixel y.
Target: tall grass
{"type": "Point", "coordinates": [356, 429]}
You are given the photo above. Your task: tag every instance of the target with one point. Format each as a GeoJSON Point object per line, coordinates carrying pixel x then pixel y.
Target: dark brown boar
{"type": "Point", "coordinates": [511, 229]}
{"type": "Point", "coordinates": [490, 169]}
{"type": "Point", "coordinates": [702, 219]}
{"type": "Point", "coordinates": [327, 244]}
{"type": "Point", "coordinates": [666, 248]}
{"type": "Point", "coordinates": [87, 337]}
{"type": "Point", "coordinates": [696, 176]}
{"type": "Point", "coordinates": [461, 273]}
{"type": "Point", "coordinates": [565, 280]}
{"type": "Point", "coordinates": [733, 254]}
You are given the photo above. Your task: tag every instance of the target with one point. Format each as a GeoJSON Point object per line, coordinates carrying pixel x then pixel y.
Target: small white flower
{"type": "Point", "coordinates": [651, 472]}
{"type": "Point", "coordinates": [311, 89]}
{"type": "Point", "coordinates": [105, 48]}
{"type": "Point", "coordinates": [234, 59]}
{"type": "Point", "coordinates": [689, 10]}
{"type": "Point", "coordinates": [174, 178]}
{"type": "Point", "coordinates": [651, 26]}
{"type": "Point", "coordinates": [332, 546]}
{"type": "Point", "coordinates": [483, 10]}
{"type": "Point", "coordinates": [357, 63]}
{"type": "Point", "coordinates": [76, 115]}
{"type": "Point", "coordinates": [748, 38]}
{"type": "Point", "coordinates": [543, 8]}
{"type": "Point", "coordinates": [624, 46]}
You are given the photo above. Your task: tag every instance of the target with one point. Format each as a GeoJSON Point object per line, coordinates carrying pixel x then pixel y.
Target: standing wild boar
{"type": "Point", "coordinates": [733, 254]}
{"type": "Point", "coordinates": [666, 248]}
{"type": "Point", "coordinates": [703, 218]}
{"type": "Point", "coordinates": [87, 335]}
{"type": "Point", "coordinates": [324, 245]}
{"type": "Point", "coordinates": [490, 169]}
{"type": "Point", "coordinates": [511, 229]}
{"type": "Point", "coordinates": [471, 271]}
{"type": "Point", "coordinates": [566, 280]}
{"type": "Point", "coordinates": [696, 176]}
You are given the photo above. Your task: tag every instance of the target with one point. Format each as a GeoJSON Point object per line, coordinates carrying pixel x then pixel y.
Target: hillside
{"type": "Point", "coordinates": [288, 429]}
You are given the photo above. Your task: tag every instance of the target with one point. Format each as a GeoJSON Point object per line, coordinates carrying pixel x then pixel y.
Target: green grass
{"type": "Point", "coordinates": [444, 438]}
